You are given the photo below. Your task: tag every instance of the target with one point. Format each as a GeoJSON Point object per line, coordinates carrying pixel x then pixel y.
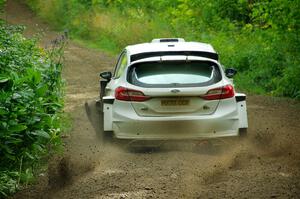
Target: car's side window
{"type": "Point", "coordinates": [121, 65]}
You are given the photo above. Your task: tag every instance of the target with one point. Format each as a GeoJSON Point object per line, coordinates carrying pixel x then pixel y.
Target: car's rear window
{"type": "Point", "coordinates": [174, 73]}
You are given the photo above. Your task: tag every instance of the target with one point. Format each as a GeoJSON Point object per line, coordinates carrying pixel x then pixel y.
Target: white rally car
{"type": "Point", "coordinates": [171, 89]}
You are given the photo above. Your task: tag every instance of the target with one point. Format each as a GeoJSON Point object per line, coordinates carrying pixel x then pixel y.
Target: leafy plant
{"type": "Point", "coordinates": [31, 101]}
{"type": "Point", "coordinates": [2, 3]}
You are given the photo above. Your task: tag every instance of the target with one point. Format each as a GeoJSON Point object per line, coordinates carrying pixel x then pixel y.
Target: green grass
{"type": "Point", "coordinates": [106, 45]}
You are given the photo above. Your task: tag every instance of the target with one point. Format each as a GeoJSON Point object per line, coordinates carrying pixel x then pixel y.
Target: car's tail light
{"type": "Point", "coordinates": [125, 94]}
{"type": "Point", "coordinates": [219, 93]}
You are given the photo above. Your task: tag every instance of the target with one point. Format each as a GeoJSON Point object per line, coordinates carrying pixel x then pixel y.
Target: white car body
{"type": "Point", "coordinates": [171, 112]}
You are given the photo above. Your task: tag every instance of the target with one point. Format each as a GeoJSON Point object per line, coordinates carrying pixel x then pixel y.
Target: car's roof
{"type": "Point", "coordinates": [169, 47]}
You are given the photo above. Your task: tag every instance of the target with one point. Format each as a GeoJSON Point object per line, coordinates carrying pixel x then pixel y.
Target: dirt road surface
{"type": "Point", "coordinates": [264, 165]}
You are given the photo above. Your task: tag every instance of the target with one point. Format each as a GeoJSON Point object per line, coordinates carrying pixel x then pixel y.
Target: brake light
{"type": "Point", "coordinates": [125, 94]}
{"type": "Point", "coordinates": [219, 93]}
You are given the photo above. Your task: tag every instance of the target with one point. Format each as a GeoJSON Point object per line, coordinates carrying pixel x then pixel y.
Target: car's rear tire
{"type": "Point", "coordinates": [243, 132]}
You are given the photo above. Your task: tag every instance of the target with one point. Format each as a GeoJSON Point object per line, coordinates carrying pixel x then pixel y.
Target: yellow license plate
{"type": "Point", "coordinates": [175, 102]}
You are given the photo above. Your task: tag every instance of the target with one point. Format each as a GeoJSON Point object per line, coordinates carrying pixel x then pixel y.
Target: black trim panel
{"type": "Point", "coordinates": [168, 40]}
{"type": "Point", "coordinates": [240, 98]}
{"type": "Point", "coordinates": [209, 55]}
{"type": "Point", "coordinates": [108, 101]}
{"type": "Point", "coordinates": [103, 84]}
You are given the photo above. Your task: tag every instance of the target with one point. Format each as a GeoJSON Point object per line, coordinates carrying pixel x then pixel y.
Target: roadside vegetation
{"type": "Point", "coordinates": [31, 102]}
{"type": "Point", "coordinates": [259, 38]}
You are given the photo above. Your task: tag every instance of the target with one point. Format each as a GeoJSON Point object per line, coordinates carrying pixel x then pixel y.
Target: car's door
{"type": "Point", "coordinates": [118, 71]}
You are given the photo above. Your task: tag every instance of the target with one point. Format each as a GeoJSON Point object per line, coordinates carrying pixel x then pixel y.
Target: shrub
{"type": "Point", "coordinates": [31, 101]}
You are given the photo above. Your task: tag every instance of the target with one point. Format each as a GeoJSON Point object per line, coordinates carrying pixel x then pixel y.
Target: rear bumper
{"type": "Point", "coordinates": [127, 124]}
{"type": "Point", "coordinates": [170, 130]}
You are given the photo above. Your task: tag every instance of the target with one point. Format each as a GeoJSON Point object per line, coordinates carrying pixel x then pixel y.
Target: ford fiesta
{"type": "Point", "coordinates": [171, 89]}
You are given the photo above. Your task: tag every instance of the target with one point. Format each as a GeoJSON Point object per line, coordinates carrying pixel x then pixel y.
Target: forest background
{"type": "Point", "coordinates": [260, 38]}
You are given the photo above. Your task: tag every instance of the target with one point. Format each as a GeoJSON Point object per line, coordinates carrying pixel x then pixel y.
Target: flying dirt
{"type": "Point", "coordinates": [266, 164]}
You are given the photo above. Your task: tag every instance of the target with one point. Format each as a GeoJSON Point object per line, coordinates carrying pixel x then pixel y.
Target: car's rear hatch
{"type": "Point", "coordinates": [174, 88]}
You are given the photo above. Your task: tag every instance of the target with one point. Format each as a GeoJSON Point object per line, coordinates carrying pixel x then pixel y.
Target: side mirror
{"type": "Point", "coordinates": [230, 72]}
{"type": "Point", "coordinates": [106, 75]}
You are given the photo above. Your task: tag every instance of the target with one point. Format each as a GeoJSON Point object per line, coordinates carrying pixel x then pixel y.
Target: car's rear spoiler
{"type": "Point", "coordinates": [209, 55]}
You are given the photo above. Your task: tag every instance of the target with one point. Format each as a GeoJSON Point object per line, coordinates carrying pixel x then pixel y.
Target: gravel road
{"type": "Point", "coordinates": [264, 165]}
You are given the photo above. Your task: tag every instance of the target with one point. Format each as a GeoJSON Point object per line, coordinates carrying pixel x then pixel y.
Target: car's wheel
{"type": "Point", "coordinates": [243, 132]}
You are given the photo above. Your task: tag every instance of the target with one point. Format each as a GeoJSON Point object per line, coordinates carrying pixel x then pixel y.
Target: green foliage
{"type": "Point", "coordinates": [31, 101]}
{"type": "Point", "coordinates": [2, 3]}
{"type": "Point", "coordinates": [259, 38]}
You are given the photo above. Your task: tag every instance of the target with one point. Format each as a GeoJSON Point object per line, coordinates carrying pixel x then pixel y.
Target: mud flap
{"type": "Point", "coordinates": [107, 112]}
{"type": "Point", "coordinates": [242, 109]}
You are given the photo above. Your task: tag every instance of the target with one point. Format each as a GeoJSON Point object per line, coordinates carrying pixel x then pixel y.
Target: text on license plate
{"type": "Point", "coordinates": [177, 102]}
